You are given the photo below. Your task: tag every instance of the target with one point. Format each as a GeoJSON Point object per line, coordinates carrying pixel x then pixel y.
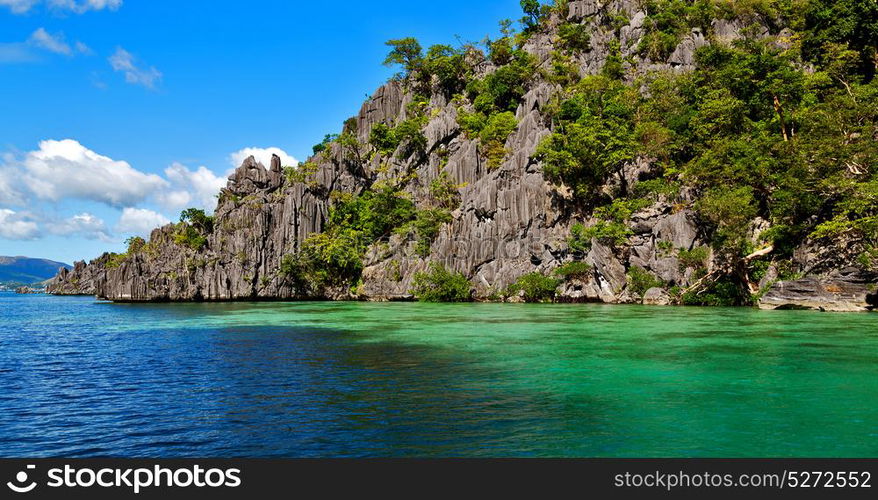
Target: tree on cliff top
{"type": "Point", "coordinates": [198, 219]}
{"type": "Point", "coordinates": [406, 52]}
{"type": "Point", "coordinates": [533, 14]}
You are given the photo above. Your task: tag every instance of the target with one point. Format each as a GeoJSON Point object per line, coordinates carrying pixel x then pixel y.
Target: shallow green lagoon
{"type": "Point", "coordinates": [402, 379]}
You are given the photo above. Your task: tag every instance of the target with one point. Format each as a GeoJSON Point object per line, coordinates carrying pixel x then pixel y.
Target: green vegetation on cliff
{"type": "Point", "coordinates": [774, 128]}
{"type": "Point", "coordinates": [779, 129]}
{"type": "Point", "coordinates": [534, 287]}
{"type": "Point", "coordinates": [439, 284]}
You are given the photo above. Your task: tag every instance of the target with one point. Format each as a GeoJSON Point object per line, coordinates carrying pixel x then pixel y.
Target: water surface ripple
{"type": "Point", "coordinates": [80, 378]}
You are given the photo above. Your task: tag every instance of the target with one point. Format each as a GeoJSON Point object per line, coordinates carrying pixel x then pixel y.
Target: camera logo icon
{"type": "Point", "coordinates": [20, 479]}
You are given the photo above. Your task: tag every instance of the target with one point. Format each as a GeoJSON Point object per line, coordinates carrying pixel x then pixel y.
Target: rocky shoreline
{"type": "Point", "coordinates": [507, 220]}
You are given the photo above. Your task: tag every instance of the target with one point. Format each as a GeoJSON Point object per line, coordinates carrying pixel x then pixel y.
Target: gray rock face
{"type": "Point", "coordinates": [83, 279]}
{"type": "Point", "coordinates": [684, 54]}
{"type": "Point", "coordinates": [510, 220]}
{"type": "Point", "coordinates": [385, 105]}
{"type": "Point", "coordinates": [252, 176]}
{"type": "Point", "coordinates": [679, 229]}
{"type": "Point", "coordinates": [578, 10]}
{"type": "Point", "coordinates": [848, 289]}
{"type": "Point", "coordinates": [656, 297]}
{"type": "Point", "coordinates": [259, 219]}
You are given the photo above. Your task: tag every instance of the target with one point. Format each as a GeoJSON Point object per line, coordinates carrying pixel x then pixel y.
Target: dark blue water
{"type": "Point", "coordinates": [80, 378]}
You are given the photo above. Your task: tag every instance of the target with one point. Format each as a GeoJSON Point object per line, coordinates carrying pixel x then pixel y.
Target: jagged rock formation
{"type": "Point", "coordinates": [81, 280]}
{"type": "Point", "coordinates": [847, 289]}
{"type": "Point", "coordinates": [510, 220]}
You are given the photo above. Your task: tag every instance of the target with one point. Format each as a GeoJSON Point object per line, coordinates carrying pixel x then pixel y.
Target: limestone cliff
{"type": "Point", "coordinates": [509, 219]}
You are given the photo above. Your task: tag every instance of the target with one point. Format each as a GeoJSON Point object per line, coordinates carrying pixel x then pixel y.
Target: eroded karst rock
{"type": "Point", "coordinates": [509, 220]}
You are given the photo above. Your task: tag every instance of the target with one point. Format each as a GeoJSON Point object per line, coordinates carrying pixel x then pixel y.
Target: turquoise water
{"type": "Point", "coordinates": [84, 378]}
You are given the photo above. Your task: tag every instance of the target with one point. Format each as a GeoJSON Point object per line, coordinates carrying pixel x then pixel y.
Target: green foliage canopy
{"type": "Point", "coordinates": [438, 284]}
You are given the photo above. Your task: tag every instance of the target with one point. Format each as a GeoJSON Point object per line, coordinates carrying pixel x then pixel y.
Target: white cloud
{"type": "Point", "coordinates": [9, 194]}
{"type": "Point", "coordinates": [62, 169]}
{"type": "Point", "coordinates": [30, 226]}
{"type": "Point", "coordinates": [40, 40]}
{"type": "Point", "coordinates": [140, 221]}
{"type": "Point", "coordinates": [262, 155]}
{"type": "Point", "coordinates": [17, 226]}
{"type": "Point", "coordinates": [85, 5]}
{"type": "Point", "coordinates": [196, 188]}
{"type": "Point", "coordinates": [53, 43]}
{"type": "Point", "coordinates": [83, 225]}
{"type": "Point", "coordinates": [175, 200]}
{"type": "Point", "coordinates": [83, 48]}
{"type": "Point", "coordinates": [124, 61]}
{"type": "Point", "coordinates": [79, 7]}
{"type": "Point", "coordinates": [18, 6]}
{"type": "Point", "coordinates": [65, 169]}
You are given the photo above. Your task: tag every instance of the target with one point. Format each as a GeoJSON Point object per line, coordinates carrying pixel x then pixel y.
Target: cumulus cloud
{"type": "Point", "coordinates": [140, 221]}
{"type": "Point", "coordinates": [125, 62]}
{"type": "Point", "coordinates": [62, 170]}
{"type": "Point", "coordinates": [78, 7]}
{"type": "Point", "coordinates": [9, 194]}
{"type": "Point", "coordinates": [67, 169]}
{"type": "Point", "coordinates": [262, 155]}
{"type": "Point", "coordinates": [84, 225]}
{"type": "Point", "coordinates": [189, 188]}
{"type": "Point", "coordinates": [17, 226]}
{"type": "Point", "coordinates": [30, 226]}
{"type": "Point", "coordinates": [175, 200]}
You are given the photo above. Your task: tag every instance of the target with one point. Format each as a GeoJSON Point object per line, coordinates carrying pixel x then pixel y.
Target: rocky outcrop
{"type": "Point", "coordinates": [509, 221]}
{"type": "Point", "coordinates": [81, 280]}
{"type": "Point", "coordinates": [656, 297]}
{"type": "Point", "coordinates": [848, 289]}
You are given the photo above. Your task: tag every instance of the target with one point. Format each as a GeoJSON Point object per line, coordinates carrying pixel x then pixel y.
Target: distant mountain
{"type": "Point", "coordinates": [26, 270]}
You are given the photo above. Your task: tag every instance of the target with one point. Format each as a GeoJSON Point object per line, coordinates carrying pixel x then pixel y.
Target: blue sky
{"type": "Point", "coordinates": [118, 113]}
